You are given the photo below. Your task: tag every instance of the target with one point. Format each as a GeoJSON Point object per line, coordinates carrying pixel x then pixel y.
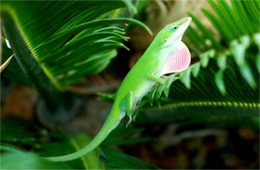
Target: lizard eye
{"type": "Point", "coordinates": [173, 29]}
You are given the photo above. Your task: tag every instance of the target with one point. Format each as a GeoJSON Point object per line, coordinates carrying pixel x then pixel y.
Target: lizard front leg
{"type": "Point", "coordinates": [131, 102]}
{"type": "Point", "coordinates": [155, 77]}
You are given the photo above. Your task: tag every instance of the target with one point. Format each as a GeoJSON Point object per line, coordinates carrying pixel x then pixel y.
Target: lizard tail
{"type": "Point", "coordinates": [110, 124]}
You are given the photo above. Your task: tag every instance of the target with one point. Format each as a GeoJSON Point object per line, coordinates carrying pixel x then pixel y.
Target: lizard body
{"type": "Point", "coordinates": [166, 54]}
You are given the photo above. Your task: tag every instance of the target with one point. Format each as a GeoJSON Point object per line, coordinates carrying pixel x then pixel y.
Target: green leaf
{"type": "Point", "coordinates": [130, 6]}
{"type": "Point", "coordinates": [15, 131]}
{"type": "Point", "coordinates": [221, 90]}
{"type": "Point", "coordinates": [120, 136]}
{"type": "Point", "coordinates": [115, 159]}
{"type": "Point", "coordinates": [90, 161]}
{"type": "Point", "coordinates": [205, 32]}
{"type": "Point", "coordinates": [206, 119]}
{"type": "Point", "coordinates": [204, 57]}
{"type": "Point", "coordinates": [185, 77]}
{"type": "Point", "coordinates": [23, 160]}
{"type": "Point", "coordinates": [63, 37]}
{"type": "Point", "coordinates": [60, 143]}
{"type": "Point", "coordinates": [239, 48]}
{"type": "Point", "coordinates": [195, 68]}
{"type": "Point", "coordinates": [243, 15]}
{"type": "Point", "coordinates": [197, 39]}
{"type": "Point", "coordinates": [222, 61]}
{"type": "Point", "coordinates": [216, 25]}
{"type": "Point", "coordinates": [223, 19]}
{"type": "Point", "coordinates": [257, 39]}
{"type": "Point", "coordinates": [219, 78]}
{"type": "Point", "coordinates": [248, 75]}
{"type": "Point", "coordinates": [258, 62]}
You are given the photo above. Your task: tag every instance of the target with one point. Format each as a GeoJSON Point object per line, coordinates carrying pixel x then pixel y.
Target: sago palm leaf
{"type": "Point", "coordinates": [223, 87]}
{"type": "Point", "coordinates": [67, 39]}
{"type": "Point", "coordinates": [57, 43]}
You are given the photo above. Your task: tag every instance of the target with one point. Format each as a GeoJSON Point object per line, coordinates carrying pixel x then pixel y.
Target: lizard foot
{"type": "Point", "coordinates": [162, 88]}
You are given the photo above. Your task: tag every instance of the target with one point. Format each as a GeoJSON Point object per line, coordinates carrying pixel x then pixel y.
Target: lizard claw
{"type": "Point", "coordinates": [129, 121]}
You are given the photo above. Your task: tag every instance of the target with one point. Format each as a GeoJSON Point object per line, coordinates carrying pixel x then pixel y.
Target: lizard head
{"type": "Point", "coordinates": [172, 33]}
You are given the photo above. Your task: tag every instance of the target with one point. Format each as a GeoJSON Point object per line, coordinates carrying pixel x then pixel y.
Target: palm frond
{"type": "Point", "coordinates": [236, 36]}
{"type": "Point", "coordinates": [67, 39]}
{"type": "Point", "coordinates": [224, 84]}
{"type": "Point", "coordinates": [56, 44]}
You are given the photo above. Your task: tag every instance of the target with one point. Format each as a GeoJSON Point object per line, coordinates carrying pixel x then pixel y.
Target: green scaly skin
{"type": "Point", "coordinates": [138, 82]}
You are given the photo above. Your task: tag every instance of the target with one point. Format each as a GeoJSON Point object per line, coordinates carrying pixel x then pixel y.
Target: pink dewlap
{"type": "Point", "coordinates": [178, 60]}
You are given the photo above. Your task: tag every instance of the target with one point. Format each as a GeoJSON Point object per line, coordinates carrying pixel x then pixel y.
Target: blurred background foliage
{"type": "Point", "coordinates": [208, 119]}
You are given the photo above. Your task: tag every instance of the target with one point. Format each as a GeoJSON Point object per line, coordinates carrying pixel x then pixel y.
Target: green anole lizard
{"type": "Point", "coordinates": [166, 54]}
